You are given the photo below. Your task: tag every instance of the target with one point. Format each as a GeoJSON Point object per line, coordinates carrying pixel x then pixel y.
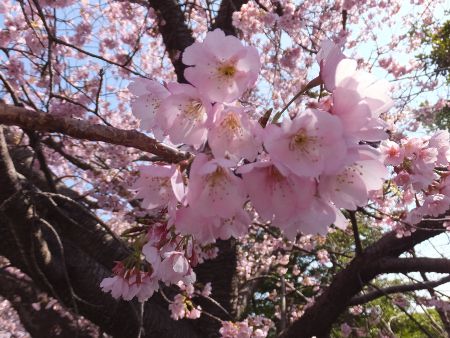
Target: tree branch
{"type": "Point", "coordinates": [358, 245]}
{"type": "Point", "coordinates": [405, 265]}
{"type": "Point", "coordinates": [38, 121]}
{"type": "Point", "coordinates": [224, 18]}
{"type": "Point", "coordinates": [175, 32]}
{"type": "Point", "coordinates": [397, 289]}
{"type": "Point", "coordinates": [45, 321]}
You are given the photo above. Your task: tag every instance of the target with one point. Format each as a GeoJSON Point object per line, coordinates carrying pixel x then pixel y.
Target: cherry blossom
{"type": "Point", "coordinates": [159, 185]}
{"type": "Point", "coordinates": [350, 188]}
{"type": "Point", "coordinates": [175, 268]}
{"type": "Point", "coordinates": [278, 188]}
{"type": "Point", "coordinates": [213, 188]}
{"type": "Point", "coordinates": [393, 154]}
{"type": "Point", "coordinates": [282, 193]}
{"type": "Point", "coordinates": [148, 97]}
{"type": "Point", "coordinates": [234, 135]}
{"type": "Point", "coordinates": [358, 97]}
{"type": "Point", "coordinates": [309, 145]}
{"type": "Point", "coordinates": [183, 115]}
{"type": "Point", "coordinates": [208, 229]}
{"type": "Point", "coordinates": [222, 67]}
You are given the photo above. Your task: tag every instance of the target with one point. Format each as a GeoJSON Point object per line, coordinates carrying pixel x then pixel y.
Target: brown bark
{"type": "Point", "coordinates": [67, 252]}
{"type": "Point", "coordinates": [39, 121]}
{"type": "Point", "coordinates": [46, 321]}
{"type": "Point", "coordinates": [224, 19]}
{"type": "Point", "coordinates": [175, 32]}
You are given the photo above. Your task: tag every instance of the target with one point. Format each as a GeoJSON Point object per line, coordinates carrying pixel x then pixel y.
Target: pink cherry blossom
{"type": "Point", "coordinates": [194, 313]}
{"type": "Point", "coordinates": [329, 56]}
{"type": "Point", "coordinates": [213, 188]}
{"type": "Point", "coordinates": [208, 229]}
{"type": "Point", "coordinates": [178, 307]}
{"type": "Point", "coordinates": [152, 255]}
{"type": "Point", "coordinates": [130, 283]}
{"type": "Point", "coordinates": [148, 97]}
{"type": "Point", "coordinates": [159, 185]}
{"type": "Point", "coordinates": [222, 67]}
{"type": "Point", "coordinates": [350, 188]}
{"type": "Point", "coordinates": [392, 153]}
{"type": "Point", "coordinates": [436, 205]}
{"type": "Point", "coordinates": [358, 97]}
{"type": "Point", "coordinates": [234, 135]}
{"type": "Point", "coordinates": [118, 286]}
{"type": "Point", "coordinates": [309, 145]}
{"type": "Point", "coordinates": [147, 288]}
{"type": "Point", "coordinates": [281, 194]}
{"type": "Point", "coordinates": [358, 106]}
{"type": "Point", "coordinates": [441, 141]}
{"type": "Point", "coordinates": [315, 219]}
{"type": "Point", "coordinates": [175, 267]}
{"type": "Point", "coordinates": [183, 115]}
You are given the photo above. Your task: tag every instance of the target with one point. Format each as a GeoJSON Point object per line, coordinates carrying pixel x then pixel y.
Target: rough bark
{"type": "Point", "coordinates": [67, 252]}
{"type": "Point", "coordinates": [45, 321]}
{"type": "Point", "coordinates": [224, 18]}
{"type": "Point", "coordinates": [175, 32]}
{"type": "Point", "coordinates": [80, 129]}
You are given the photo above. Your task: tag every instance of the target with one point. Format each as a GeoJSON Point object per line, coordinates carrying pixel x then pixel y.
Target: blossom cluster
{"type": "Point", "coordinates": [296, 174]}
{"type": "Point", "coordinates": [419, 177]}
{"type": "Point", "coordinates": [251, 327]}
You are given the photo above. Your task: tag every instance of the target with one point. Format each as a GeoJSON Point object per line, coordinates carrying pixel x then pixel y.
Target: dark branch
{"type": "Point", "coordinates": [397, 289]}
{"type": "Point", "coordinates": [358, 245]}
{"type": "Point", "coordinates": [37, 121]}
{"type": "Point", "coordinates": [43, 321]}
{"type": "Point", "coordinates": [405, 265]}
{"type": "Point", "coordinates": [175, 32]}
{"type": "Point", "coordinates": [224, 19]}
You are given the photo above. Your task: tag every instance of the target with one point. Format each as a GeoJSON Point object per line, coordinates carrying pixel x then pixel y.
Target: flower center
{"type": "Point", "coordinates": [227, 70]}
{"type": "Point", "coordinates": [231, 123]}
{"type": "Point", "coordinates": [194, 110]}
{"type": "Point", "coordinates": [216, 177]}
{"type": "Point", "coordinates": [300, 141]}
{"type": "Point", "coordinates": [392, 152]}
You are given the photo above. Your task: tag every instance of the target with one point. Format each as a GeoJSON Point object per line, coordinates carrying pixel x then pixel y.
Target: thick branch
{"type": "Point", "coordinates": [397, 289]}
{"type": "Point", "coordinates": [405, 265]}
{"type": "Point", "coordinates": [38, 121]}
{"type": "Point", "coordinates": [43, 322]}
{"type": "Point", "coordinates": [175, 32]}
{"type": "Point", "coordinates": [224, 19]}
{"type": "Point", "coordinates": [55, 240]}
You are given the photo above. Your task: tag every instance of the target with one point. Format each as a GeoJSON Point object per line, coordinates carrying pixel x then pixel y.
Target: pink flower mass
{"type": "Point", "coordinates": [296, 174]}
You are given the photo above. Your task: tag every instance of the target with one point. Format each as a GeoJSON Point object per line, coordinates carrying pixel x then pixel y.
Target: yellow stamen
{"type": "Point", "coordinates": [194, 110]}
{"type": "Point", "coordinates": [227, 70]}
{"type": "Point", "coordinates": [231, 123]}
